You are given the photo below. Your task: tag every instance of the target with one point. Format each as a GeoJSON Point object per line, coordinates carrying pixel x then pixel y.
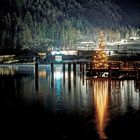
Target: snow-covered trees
{"type": "Point", "coordinates": [41, 24]}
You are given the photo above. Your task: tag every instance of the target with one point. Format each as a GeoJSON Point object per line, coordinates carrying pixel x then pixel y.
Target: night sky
{"type": "Point", "coordinates": [132, 9]}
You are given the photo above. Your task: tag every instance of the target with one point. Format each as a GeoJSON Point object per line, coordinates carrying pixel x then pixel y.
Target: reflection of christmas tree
{"type": "Point", "coordinates": [100, 59]}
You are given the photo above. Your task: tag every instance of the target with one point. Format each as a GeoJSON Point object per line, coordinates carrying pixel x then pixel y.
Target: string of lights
{"type": "Point", "coordinates": [100, 59]}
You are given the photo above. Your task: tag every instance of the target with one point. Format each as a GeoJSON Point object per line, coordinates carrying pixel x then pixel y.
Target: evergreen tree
{"type": "Point", "coordinates": [100, 59]}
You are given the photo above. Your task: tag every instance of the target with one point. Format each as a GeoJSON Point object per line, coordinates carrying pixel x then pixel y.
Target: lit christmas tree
{"type": "Point", "coordinates": [100, 59]}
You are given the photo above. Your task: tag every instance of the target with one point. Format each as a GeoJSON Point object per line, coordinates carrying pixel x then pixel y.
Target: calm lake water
{"type": "Point", "coordinates": [66, 105]}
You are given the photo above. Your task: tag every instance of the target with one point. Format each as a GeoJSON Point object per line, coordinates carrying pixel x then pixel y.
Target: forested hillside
{"type": "Point", "coordinates": [42, 24]}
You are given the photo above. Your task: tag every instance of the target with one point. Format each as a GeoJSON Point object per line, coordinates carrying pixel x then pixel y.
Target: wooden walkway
{"type": "Point", "coordinates": [116, 69]}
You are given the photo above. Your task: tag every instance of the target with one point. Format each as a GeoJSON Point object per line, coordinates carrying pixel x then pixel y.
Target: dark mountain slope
{"type": "Point", "coordinates": [41, 24]}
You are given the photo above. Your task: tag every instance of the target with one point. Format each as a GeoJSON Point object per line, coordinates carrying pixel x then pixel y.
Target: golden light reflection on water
{"type": "Point", "coordinates": [101, 106]}
{"type": "Point", "coordinates": [7, 71]}
{"type": "Point", "coordinates": [42, 73]}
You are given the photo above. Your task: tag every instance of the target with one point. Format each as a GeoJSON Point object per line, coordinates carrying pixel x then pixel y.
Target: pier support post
{"type": "Point", "coordinates": [69, 69]}
{"type": "Point", "coordinates": [69, 75]}
{"type": "Point", "coordinates": [52, 69]}
{"type": "Point", "coordinates": [74, 68]}
{"type": "Point", "coordinates": [91, 69]}
{"type": "Point", "coordinates": [36, 66]}
{"type": "Point", "coordinates": [83, 68]}
{"type": "Point", "coordinates": [63, 67]}
{"type": "Point", "coordinates": [109, 70]}
{"type": "Point", "coordinates": [36, 76]}
{"type": "Point", "coordinates": [80, 66]}
{"type": "Point", "coordinates": [69, 66]}
{"type": "Point", "coordinates": [137, 71]}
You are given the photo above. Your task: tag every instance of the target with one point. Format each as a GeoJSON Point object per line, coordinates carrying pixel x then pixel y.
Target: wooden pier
{"type": "Point", "coordinates": [116, 69]}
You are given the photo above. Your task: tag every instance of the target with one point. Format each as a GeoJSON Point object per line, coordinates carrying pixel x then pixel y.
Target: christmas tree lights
{"type": "Point", "coordinates": [100, 59]}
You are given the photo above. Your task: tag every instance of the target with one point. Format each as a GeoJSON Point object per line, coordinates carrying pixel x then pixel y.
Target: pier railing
{"type": "Point", "coordinates": [115, 69]}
